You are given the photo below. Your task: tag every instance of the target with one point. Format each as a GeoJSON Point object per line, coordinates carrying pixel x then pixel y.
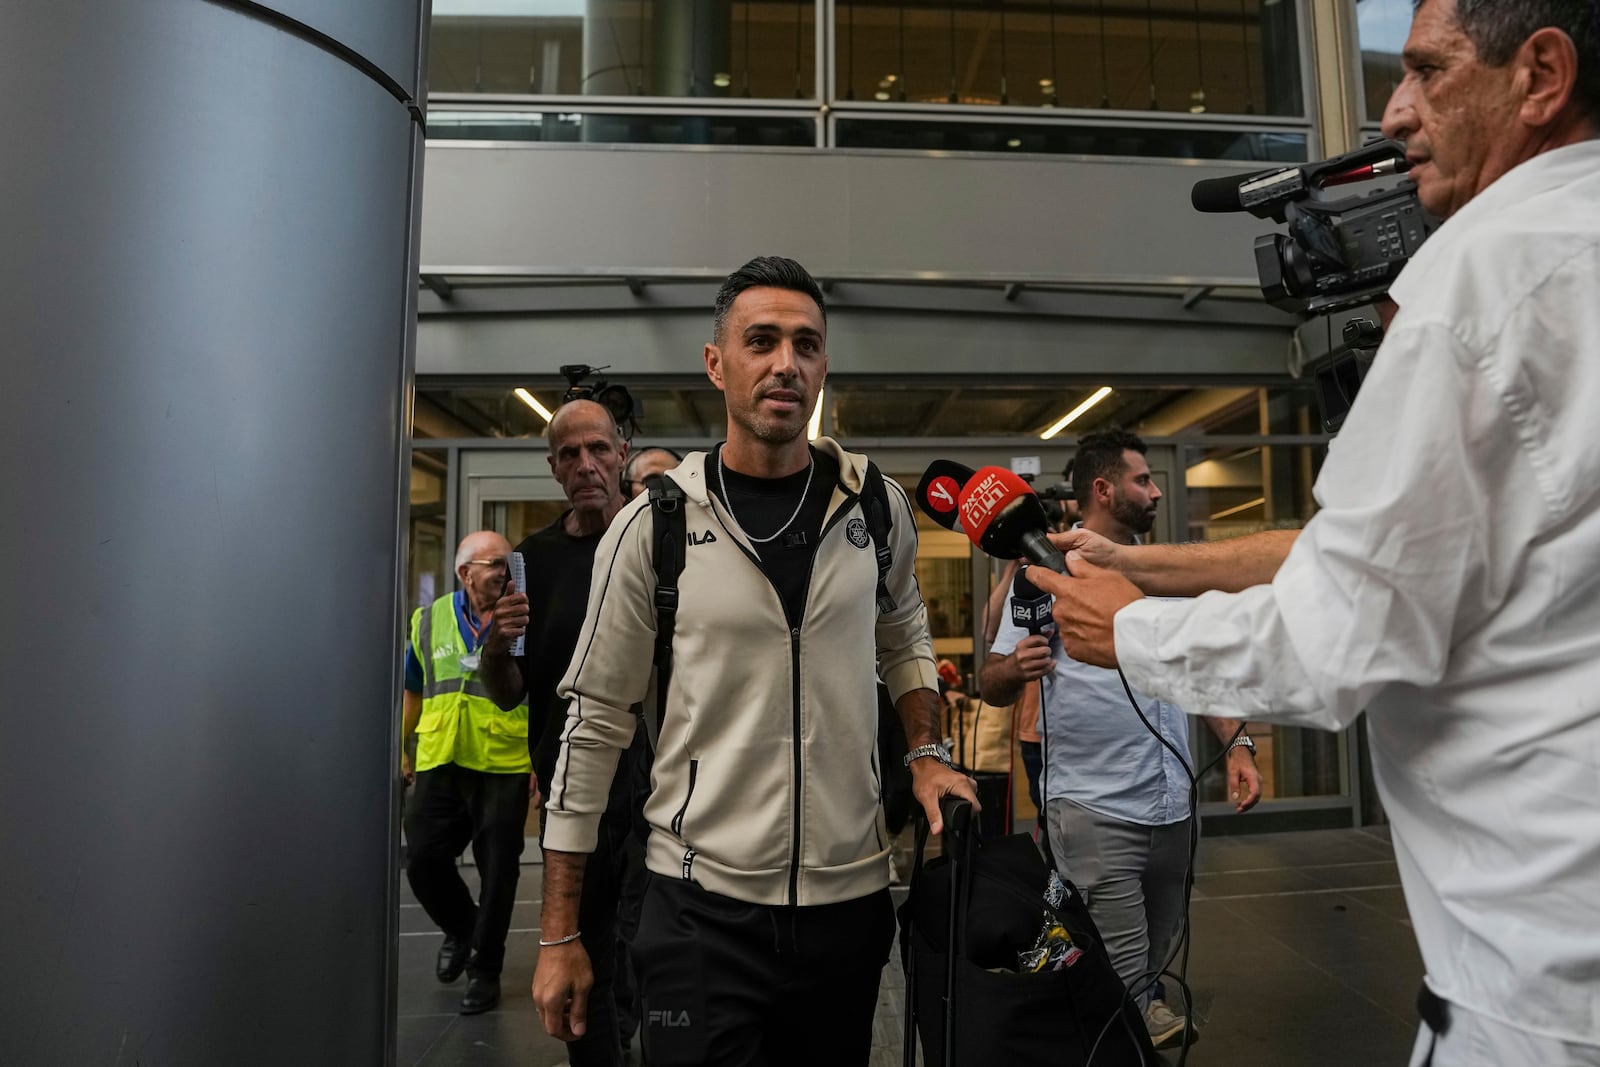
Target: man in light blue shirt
{"type": "Point", "coordinates": [1117, 800]}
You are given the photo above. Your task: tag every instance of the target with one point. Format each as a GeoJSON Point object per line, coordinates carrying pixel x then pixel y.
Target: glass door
{"type": "Point", "coordinates": [508, 490]}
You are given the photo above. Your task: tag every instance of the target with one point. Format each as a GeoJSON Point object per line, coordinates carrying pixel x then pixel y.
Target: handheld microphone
{"type": "Point", "coordinates": [1001, 515]}
{"type": "Point", "coordinates": [1030, 606]}
{"type": "Point", "coordinates": [939, 492]}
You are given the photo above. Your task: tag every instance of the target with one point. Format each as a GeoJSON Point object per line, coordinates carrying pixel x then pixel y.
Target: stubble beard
{"type": "Point", "coordinates": [771, 431]}
{"type": "Point", "coordinates": [1135, 518]}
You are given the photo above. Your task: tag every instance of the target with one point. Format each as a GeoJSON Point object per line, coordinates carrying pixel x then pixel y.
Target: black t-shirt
{"type": "Point", "coordinates": [558, 567]}
{"type": "Point", "coordinates": [762, 505]}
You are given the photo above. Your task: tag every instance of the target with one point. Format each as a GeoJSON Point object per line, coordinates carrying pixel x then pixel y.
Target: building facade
{"type": "Point", "coordinates": [995, 195]}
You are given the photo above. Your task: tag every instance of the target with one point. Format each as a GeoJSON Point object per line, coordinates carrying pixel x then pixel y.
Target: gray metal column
{"type": "Point", "coordinates": [206, 303]}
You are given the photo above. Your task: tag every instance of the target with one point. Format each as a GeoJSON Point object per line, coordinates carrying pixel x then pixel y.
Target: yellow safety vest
{"type": "Point", "coordinates": [459, 723]}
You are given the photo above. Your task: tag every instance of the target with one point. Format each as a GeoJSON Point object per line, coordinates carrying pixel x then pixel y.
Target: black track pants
{"type": "Point", "coordinates": [730, 984]}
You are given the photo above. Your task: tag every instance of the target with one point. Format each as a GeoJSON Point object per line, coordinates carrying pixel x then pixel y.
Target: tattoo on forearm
{"type": "Point", "coordinates": [563, 886]}
{"type": "Point", "coordinates": [919, 714]}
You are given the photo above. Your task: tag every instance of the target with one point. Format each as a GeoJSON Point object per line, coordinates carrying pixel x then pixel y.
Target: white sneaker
{"type": "Point", "coordinates": [1166, 1027]}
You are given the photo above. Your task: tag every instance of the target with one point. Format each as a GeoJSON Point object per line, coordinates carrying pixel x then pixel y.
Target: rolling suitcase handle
{"type": "Point", "coordinates": [959, 828]}
{"type": "Point", "coordinates": [956, 813]}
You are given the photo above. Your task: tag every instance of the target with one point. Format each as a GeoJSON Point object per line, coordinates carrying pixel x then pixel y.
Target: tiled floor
{"type": "Point", "coordinates": [1302, 957]}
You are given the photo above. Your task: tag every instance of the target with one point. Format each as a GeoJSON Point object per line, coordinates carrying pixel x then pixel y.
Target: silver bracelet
{"type": "Point", "coordinates": [560, 940]}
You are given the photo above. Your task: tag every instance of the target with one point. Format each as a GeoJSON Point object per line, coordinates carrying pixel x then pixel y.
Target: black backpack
{"type": "Point", "coordinates": [670, 530]}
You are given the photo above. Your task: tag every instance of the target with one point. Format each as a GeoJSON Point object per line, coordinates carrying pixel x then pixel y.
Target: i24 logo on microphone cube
{"type": "Point", "coordinates": [1031, 615]}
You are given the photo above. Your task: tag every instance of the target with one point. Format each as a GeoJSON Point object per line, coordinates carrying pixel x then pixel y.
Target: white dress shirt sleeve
{"type": "Point", "coordinates": [1382, 579]}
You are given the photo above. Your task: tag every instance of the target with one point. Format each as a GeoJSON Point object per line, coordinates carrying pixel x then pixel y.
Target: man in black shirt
{"type": "Point", "coordinates": [586, 455]}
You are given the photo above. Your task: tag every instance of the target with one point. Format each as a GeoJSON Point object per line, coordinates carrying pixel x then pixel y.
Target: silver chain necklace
{"type": "Point", "coordinates": [727, 501]}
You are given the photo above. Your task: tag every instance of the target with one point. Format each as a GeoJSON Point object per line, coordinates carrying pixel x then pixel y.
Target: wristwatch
{"type": "Point", "coordinates": [936, 751]}
{"type": "Point", "coordinates": [1243, 741]}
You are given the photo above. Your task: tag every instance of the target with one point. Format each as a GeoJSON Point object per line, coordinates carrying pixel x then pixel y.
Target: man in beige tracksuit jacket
{"type": "Point", "coordinates": [766, 922]}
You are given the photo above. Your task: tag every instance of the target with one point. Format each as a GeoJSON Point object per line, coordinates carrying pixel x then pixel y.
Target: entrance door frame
{"type": "Point", "coordinates": [480, 469]}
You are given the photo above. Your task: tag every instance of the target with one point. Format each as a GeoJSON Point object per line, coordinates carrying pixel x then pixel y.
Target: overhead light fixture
{"type": "Point", "coordinates": [1015, 142]}
{"type": "Point", "coordinates": [881, 94]}
{"type": "Point", "coordinates": [814, 430]}
{"type": "Point", "coordinates": [721, 80]}
{"type": "Point", "coordinates": [1072, 416]}
{"type": "Point", "coordinates": [1227, 512]}
{"type": "Point", "coordinates": [533, 402]}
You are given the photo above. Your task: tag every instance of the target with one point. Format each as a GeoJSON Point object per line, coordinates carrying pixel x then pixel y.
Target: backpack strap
{"type": "Point", "coordinates": [875, 502]}
{"type": "Point", "coordinates": [670, 535]}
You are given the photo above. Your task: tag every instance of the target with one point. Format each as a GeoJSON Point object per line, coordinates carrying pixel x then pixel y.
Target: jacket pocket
{"type": "Point", "coordinates": [507, 726]}
{"type": "Point", "coordinates": [677, 820]}
{"type": "Point", "coordinates": [430, 721]}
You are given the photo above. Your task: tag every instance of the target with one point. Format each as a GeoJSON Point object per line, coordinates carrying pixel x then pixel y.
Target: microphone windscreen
{"type": "Point", "coordinates": [1218, 194]}
{"type": "Point", "coordinates": [1023, 589]}
{"type": "Point", "coordinates": [939, 492]}
{"type": "Point", "coordinates": [985, 495]}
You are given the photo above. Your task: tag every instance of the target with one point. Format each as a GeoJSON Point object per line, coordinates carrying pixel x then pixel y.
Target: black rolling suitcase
{"type": "Point", "coordinates": [973, 1006]}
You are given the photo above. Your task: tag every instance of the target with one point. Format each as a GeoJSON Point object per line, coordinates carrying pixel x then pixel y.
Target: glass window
{"type": "Point", "coordinates": [1199, 142]}
{"type": "Point", "coordinates": [516, 519]}
{"type": "Point", "coordinates": [1212, 56]}
{"type": "Point", "coordinates": [1382, 26]}
{"type": "Point", "coordinates": [645, 127]}
{"type": "Point", "coordinates": [1239, 490]}
{"type": "Point", "coordinates": [1293, 762]}
{"type": "Point", "coordinates": [429, 570]}
{"type": "Point", "coordinates": [944, 576]}
{"type": "Point", "coordinates": [698, 48]}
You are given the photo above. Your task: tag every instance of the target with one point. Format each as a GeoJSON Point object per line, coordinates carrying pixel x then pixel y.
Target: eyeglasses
{"type": "Point", "coordinates": [498, 564]}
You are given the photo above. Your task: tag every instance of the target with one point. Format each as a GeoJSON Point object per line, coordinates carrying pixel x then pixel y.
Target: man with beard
{"type": "Point", "coordinates": [766, 920]}
{"type": "Point", "coordinates": [586, 456]}
{"type": "Point", "coordinates": [1117, 800]}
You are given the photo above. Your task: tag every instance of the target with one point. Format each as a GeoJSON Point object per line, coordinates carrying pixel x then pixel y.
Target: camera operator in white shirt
{"type": "Point", "coordinates": [1450, 583]}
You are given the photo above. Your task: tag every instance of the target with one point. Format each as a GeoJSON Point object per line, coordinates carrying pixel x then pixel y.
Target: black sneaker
{"type": "Point", "coordinates": [452, 958]}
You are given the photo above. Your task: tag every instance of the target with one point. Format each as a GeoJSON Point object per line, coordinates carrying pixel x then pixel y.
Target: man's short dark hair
{"type": "Point", "coordinates": [1100, 456]}
{"type": "Point", "coordinates": [1497, 29]}
{"type": "Point", "coordinates": [764, 272]}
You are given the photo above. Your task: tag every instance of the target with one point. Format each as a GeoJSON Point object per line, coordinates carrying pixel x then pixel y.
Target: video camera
{"type": "Point", "coordinates": [1055, 498]}
{"type": "Point", "coordinates": [1339, 253]}
{"type": "Point", "coordinates": [584, 383]}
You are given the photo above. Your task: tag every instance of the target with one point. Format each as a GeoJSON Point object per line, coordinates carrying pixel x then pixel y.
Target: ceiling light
{"type": "Point", "coordinates": [1015, 142]}
{"type": "Point", "coordinates": [814, 430]}
{"type": "Point", "coordinates": [1067, 419]}
{"type": "Point", "coordinates": [1227, 512]}
{"type": "Point", "coordinates": [1047, 83]}
{"type": "Point", "coordinates": [530, 400]}
{"type": "Point", "coordinates": [721, 81]}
